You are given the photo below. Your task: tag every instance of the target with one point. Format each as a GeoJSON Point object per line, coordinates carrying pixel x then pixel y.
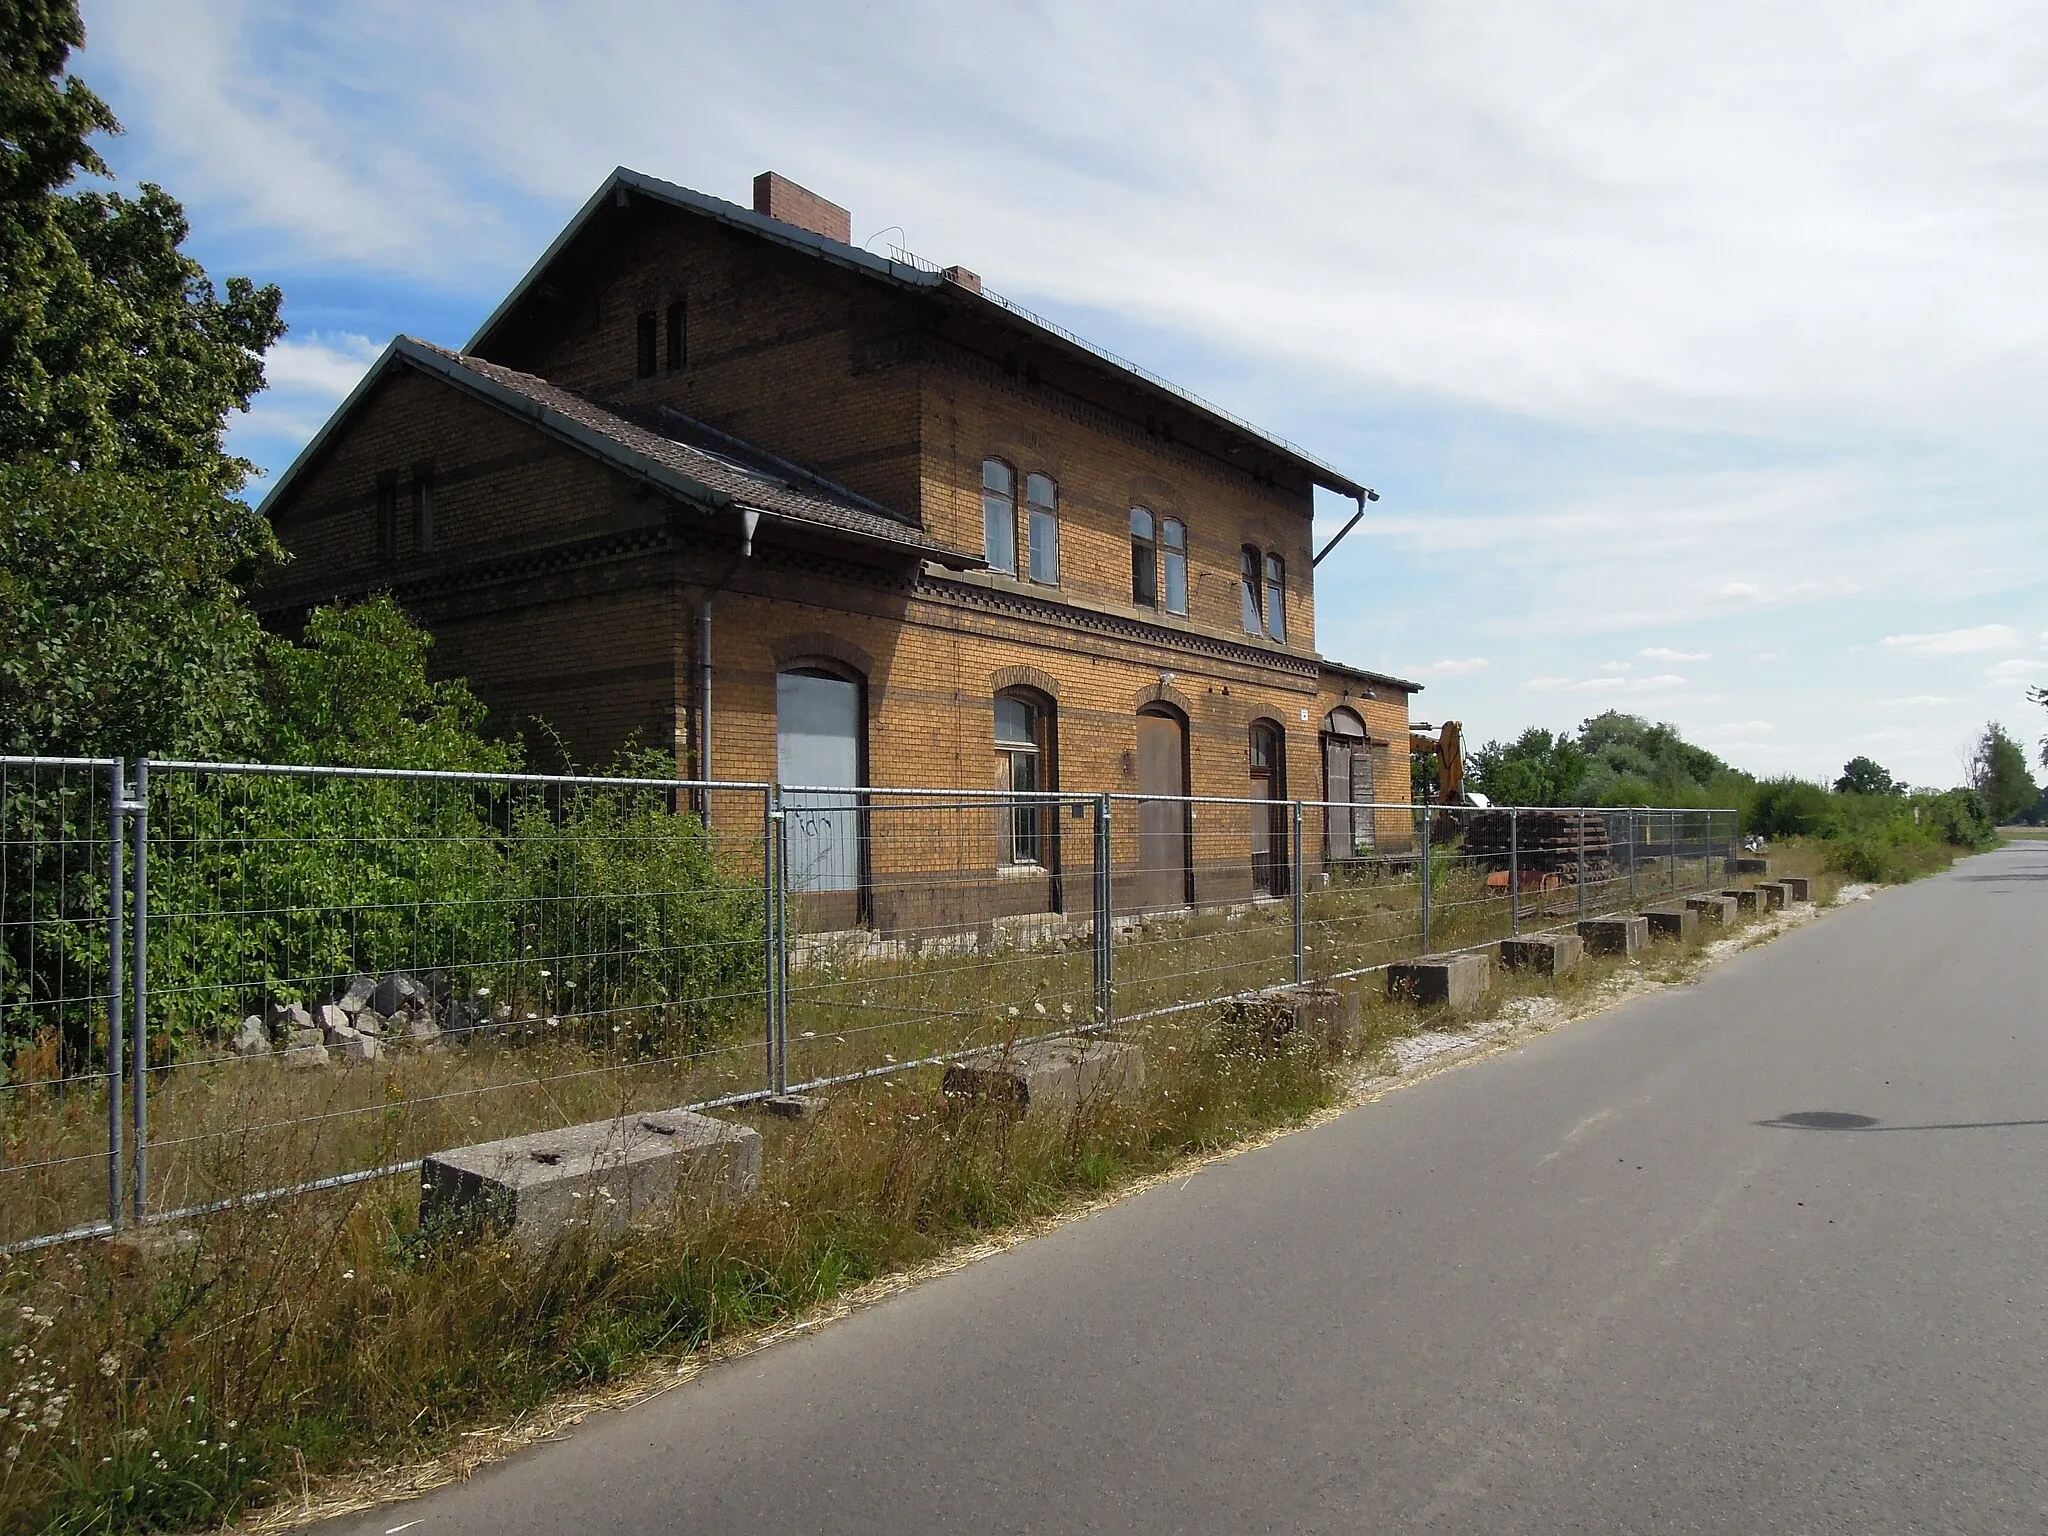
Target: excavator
{"type": "Point", "coordinates": [1447, 746]}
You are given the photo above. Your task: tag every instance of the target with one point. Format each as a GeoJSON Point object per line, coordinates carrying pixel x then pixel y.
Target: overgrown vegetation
{"type": "Point", "coordinates": [1872, 826]}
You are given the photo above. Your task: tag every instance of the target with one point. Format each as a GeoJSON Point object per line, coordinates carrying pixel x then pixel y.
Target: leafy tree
{"type": "Point", "coordinates": [116, 349]}
{"type": "Point", "coordinates": [122, 544]}
{"type": "Point", "coordinates": [1788, 807]}
{"type": "Point", "coordinates": [1536, 768]}
{"type": "Point", "coordinates": [1998, 772]}
{"type": "Point", "coordinates": [355, 692]}
{"type": "Point", "coordinates": [1863, 776]}
{"type": "Point", "coordinates": [2040, 696]}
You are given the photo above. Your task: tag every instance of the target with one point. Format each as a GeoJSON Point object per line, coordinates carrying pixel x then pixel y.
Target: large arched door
{"type": "Point", "coordinates": [1272, 837]}
{"type": "Point", "coordinates": [818, 736]}
{"type": "Point", "coordinates": [1163, 827]}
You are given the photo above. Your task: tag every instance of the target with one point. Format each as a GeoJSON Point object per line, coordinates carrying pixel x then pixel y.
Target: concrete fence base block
{"type": "Point", "coordinates": [1672, 922]}
{"type": "Point", "coordinates": [1551, 954]}
{"type": "Point", "coordinates": [1056, 1075]}
{"type": "Point", "coordinates": [1797, 888]}
{"type": "Point", "coordinates": [1457, 981]}
{"type": "Point", "coordinates": [1773, 893]}
{"type": "Point", "coordinates": [1615, 935]}
{"type": "Point", "coordinates": [1326, 1015]}
{"type": "Point", "coordinates": [1714, 911]}
{"type": "Point", "coordinates": [1752, 866]}
{"type": "Point", "coordinates": [1747, 902]}
{"type": "Point", "coordinates": [793, 1106]}
{"type": "Point", "coordinates": [602, 1177]}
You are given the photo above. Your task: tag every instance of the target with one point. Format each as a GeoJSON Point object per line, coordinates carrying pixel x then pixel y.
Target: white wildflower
{"type": "Point", "coordinates": [109, 1366]}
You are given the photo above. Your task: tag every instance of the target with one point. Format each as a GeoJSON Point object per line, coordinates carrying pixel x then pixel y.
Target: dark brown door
{"type": "Point", "coordinates": [1162, 823]}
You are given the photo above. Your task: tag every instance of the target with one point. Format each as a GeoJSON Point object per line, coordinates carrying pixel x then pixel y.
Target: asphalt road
{"type": "Point", "coordinates": [1768, 1253]}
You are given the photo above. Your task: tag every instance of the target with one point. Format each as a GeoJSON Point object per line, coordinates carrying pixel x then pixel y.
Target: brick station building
{"type": "Point", "coordinates": [714, 478]}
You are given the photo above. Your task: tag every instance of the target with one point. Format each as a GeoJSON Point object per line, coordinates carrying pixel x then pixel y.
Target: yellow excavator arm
{"type": "Point", "coordinates": [1447, 746]}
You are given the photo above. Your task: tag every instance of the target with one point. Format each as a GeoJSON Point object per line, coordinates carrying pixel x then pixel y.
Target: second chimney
{"type": "Point", "coordinates": [780, 198]}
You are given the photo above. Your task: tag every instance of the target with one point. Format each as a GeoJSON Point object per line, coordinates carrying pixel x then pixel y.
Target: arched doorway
{"type": "Point", "coordinates": [1272, 837]}
{"type": "Point", "coordinates": [1165, 873]}
{"type": "Point", "coordinates": [1348, 785]}
{"type": "Point", "coordinates": [820, 747]}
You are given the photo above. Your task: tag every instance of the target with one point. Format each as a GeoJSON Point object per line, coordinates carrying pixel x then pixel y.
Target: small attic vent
{"type": "Point", "coordinates": [780, 198]}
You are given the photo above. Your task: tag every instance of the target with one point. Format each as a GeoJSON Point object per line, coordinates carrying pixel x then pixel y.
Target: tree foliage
{"type": "Point", "coordinates": [1998, 772]}
{"type": "Point", "coordinates": [1865, 776]}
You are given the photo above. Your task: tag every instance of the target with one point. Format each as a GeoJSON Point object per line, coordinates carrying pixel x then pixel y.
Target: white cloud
{"type": "Point", "coordinates": [323, 365]}
{"type": "Point", "coordinates": [1659, 684]}
{"type": "Point", "coordinates": [1746, 728]}
{"type": "Point", "coordinates": [1665, 653]}
{"type": "Point", "coordinates": [1455, 668]}
{"type": "Point", "coordinates": [1615, 666]}
{"type": "Point", "coordinates": [1915, 701]}
{"type": "Point", "coordinates": [1955, 642]}
{"type": "Point", "coordinates": [2019, 671]}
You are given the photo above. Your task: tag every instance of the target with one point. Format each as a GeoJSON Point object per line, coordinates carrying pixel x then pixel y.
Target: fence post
{"type": "Point", "coordinates": [1300, 932]}
{"type": "Point", "coordinates": [780, 816]}
{"type": "Point", "coordinates": [1631, 858]}
{"type": "Point", "coordinates": [1582, 865]}
{"type": "Point", "coordinates": [117, 938]}
{"type": "Point", "coordinates": [138, 978]}
{"type": "Point", "coordinates": [1671, 838]}
{"type": "Point", "coordinates": [1425, 877]}
{"type": "Point", "coordinates": [770, 988]}
{"type": "Point", "coordinates": [1105, 920]}
{"type": "Point", "coordinates": [1514, 875]}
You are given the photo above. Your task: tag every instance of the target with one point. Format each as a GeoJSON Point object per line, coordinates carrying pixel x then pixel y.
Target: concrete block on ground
{"type": "Point", "coordinates": [1714, 911]}
{"type": "Point", "coordinates": [1773, 893]}
{"type": "Point", "coordinates": [1457, 981]}
{"type": "Point", "coordinates": [1326, 1015]}
{"type": "Point", "coordinates": [602, 1177]}
{"type": "Point", "coordinates": [1057, 1075]}
{"type": "Point", "coordinates": [1797, 888]}
{"type": "Point", "coordinates": [1672, 922]}
{"type": "Point", "coordinates": [1615, 935]}
{"type": "Point", "coordinates": [1752, 866]}
{"type": "Point", "coordinates": [793, 1106]}
{"type": "Point", "coordinates": [1747, 902]}
{"type": "Point", "coordinates": [1551, 954]}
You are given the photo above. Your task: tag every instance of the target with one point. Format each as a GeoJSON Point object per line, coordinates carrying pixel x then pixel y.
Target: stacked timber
{"type": "Point", "coordinates": [1544, 841]}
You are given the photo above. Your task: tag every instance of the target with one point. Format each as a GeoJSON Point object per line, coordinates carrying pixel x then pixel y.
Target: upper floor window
{"type": "Point", "coordinates": [644, 335]}
{"type": "Point", "coordinates": [1276, 597]}
{"type": "Point", "coordinates": [1249, 561]}
{"type": "Point", "coordinates": [387, 515]}
{"type": "Point", "coordinates": [999, 515]}
{"type": "Point", "coordinates": [423, 507]}
{"type": "Point", "coordinates": [678, 336]}
{"type": "Point", "coordinates": [1043, 498]}
{"type": "Point", "coordinates": [1144, 559]}
{"type": "Point", "coordinates": [1173, 539]}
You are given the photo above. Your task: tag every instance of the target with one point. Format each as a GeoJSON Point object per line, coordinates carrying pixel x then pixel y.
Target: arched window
{"type": "Point", "coordinates": [1174, 540]}
{"type": "Point", "coordinates": [1043, 499]}
{"type": "Point", "coordinates": [999, 515]}
{"type": "Point", "coordinates": [1024, 765]}
{"type": "Point", "coordinates": [1144, 559]}
{"type": "Point", "coordinates": [1276, 597]}
{"type": "Point", "coordinates": [1249, 560]}
{"type": "Point", "coordinates": [644, 337]}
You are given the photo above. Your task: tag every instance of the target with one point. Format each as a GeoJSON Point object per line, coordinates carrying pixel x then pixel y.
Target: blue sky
{"type": "Point", "coordinates": [1697, 353]}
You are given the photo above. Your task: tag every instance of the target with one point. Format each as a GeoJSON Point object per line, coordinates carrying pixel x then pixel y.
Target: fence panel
{"type": "Point", "coordinates": [349, 970]}
{"type": "Point", "coordinates": [330, 973]}
{"type": "Point", "coordinates": [60, 1112]}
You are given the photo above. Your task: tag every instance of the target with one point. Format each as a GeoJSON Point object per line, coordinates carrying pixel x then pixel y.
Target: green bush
{"type": "Point", "coordinates": [1789, 807]}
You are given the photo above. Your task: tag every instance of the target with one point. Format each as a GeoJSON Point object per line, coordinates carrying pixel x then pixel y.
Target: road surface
{"type": "Point", "coordinates": [1768, 1253]}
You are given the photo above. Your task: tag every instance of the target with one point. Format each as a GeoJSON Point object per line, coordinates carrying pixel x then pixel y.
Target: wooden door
{"type": "Point", "coordinates": [1162, 823]}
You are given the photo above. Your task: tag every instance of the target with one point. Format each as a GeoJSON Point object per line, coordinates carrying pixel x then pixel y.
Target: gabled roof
{"type": "Point", "coordinates": [623, 184]}
{"type": "Point", "coordinates": [663, 447]}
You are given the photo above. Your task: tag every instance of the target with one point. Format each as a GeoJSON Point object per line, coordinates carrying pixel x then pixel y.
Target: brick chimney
{"type": "Point", "coordinates": [781, 198]}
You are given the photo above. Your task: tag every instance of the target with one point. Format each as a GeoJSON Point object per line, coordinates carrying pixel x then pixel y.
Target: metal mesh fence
{"type": "Point", "coordinates": [312, 975]}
